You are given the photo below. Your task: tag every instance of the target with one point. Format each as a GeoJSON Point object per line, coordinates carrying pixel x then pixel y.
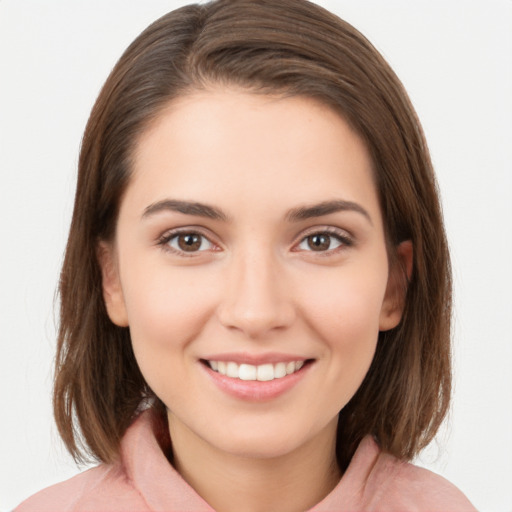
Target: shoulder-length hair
{"type": "Point", "coordinates": [292, 48]}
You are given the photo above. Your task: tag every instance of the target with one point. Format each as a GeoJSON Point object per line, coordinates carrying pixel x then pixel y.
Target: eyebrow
{"type": "Point", "coordinates": [326, 208]}
{"type": "Point", "coordinates": [294, 215]}
{"type": "Point", "coordinates": [186, 207]}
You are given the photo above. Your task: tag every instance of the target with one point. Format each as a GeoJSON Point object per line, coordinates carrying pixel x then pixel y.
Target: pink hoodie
{"type": "Point", "coordinates": [143, 480]}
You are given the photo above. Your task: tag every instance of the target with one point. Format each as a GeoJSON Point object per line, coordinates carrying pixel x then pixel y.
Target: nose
{"type": "Point", "coordinates": [255, 299]}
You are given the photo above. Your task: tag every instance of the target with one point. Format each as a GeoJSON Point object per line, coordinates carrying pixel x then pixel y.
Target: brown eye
{"type": "Point", "coordinates": [319, 242]}
{"type": "Point", "coordinates": [189, 242]}
{"type": "Point", "coordinates": [324, 242]}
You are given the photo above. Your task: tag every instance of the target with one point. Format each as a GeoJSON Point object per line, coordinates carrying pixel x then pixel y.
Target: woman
{"type": "Point", "coordinates": [255, 299]}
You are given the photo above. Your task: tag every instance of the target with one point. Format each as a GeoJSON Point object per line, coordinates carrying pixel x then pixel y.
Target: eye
{"type": "Point", "coordinates": [323, 242]}
{"type": "Point", "coordinates": [189, 242]}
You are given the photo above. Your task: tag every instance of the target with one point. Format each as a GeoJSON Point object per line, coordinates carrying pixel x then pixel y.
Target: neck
{"type": "Point", "coordinates": [229, 482]}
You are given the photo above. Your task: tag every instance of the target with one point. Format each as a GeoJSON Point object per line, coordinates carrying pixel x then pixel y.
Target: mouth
{"type": "Point", "coordinates": [262, 372]}
{"type": "Point", "coordinates": [256, 377]}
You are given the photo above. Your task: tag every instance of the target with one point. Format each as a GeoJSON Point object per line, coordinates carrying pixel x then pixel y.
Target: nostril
{"type": "Point", "coordinates": [256, 317]}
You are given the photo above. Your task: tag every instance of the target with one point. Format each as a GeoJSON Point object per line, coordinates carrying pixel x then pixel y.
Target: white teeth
{"type": "Point", "coordinates": [247, 372]}
{"type": "Point", "coordinates": [265, 372]}
{"type": "Point", "coordinates": [279, 370]}
{"type": "Point", "coordinates": [262, 372]}
{"type": "Point", "coordinates": [232, 370]}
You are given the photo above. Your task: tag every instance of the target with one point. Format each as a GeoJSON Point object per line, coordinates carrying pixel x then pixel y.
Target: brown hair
{"type": "Point", "coordinates": [289, 47]}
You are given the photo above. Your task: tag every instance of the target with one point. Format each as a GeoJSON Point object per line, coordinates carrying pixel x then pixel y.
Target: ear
{"type": "Point", "coordinates": [111, 284]}
{"type": "Point", "coordinates": [399, 276]}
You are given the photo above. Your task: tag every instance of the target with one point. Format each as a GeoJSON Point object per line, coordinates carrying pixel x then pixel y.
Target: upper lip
{"type": "Point", "coordinates": [255, 359]}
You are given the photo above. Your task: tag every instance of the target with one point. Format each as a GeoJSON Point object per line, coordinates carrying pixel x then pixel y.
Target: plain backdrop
{"type": "Point", "coordinates": [455, 59]}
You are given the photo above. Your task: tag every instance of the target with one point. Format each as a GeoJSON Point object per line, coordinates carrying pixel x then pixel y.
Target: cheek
{"type": "Point", "coordinates": [166, 311]}
{"type": "Point", "coordinates": [345, 312]}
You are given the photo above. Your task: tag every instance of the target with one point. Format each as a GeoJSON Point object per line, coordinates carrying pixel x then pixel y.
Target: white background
{"type": "Point", "coordinates": [454, 58]}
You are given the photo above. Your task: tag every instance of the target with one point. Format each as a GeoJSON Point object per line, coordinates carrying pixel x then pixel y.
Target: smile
{"type": "Point", "coordinates": [249, 372]}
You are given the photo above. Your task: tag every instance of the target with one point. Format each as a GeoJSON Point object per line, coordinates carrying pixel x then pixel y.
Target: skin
{"type": "Point", "coordinates": [255, 285]}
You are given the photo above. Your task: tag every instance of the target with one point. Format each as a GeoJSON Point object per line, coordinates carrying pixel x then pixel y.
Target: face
{"type": "Point", "coordinates": [250, 265]}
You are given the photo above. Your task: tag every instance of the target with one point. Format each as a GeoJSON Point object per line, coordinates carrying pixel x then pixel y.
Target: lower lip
{"type": "Point", "coordinates": [254, 390]}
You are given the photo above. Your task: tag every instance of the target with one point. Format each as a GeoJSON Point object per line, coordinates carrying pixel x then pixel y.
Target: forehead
{"type": "Point", "coordinates": [220, 145]}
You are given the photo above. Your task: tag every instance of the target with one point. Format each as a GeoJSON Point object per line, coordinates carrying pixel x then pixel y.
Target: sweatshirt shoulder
{"type": "Point", "coordinates": [424, 490]}
{"type": "Point", "coordinates": [104, 487]}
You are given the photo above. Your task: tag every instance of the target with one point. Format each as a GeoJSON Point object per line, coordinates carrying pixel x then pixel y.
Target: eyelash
{"type": "Point", "coordinates": [344, 239]}
{"type": "Point", "coordinates": [164, 240]}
